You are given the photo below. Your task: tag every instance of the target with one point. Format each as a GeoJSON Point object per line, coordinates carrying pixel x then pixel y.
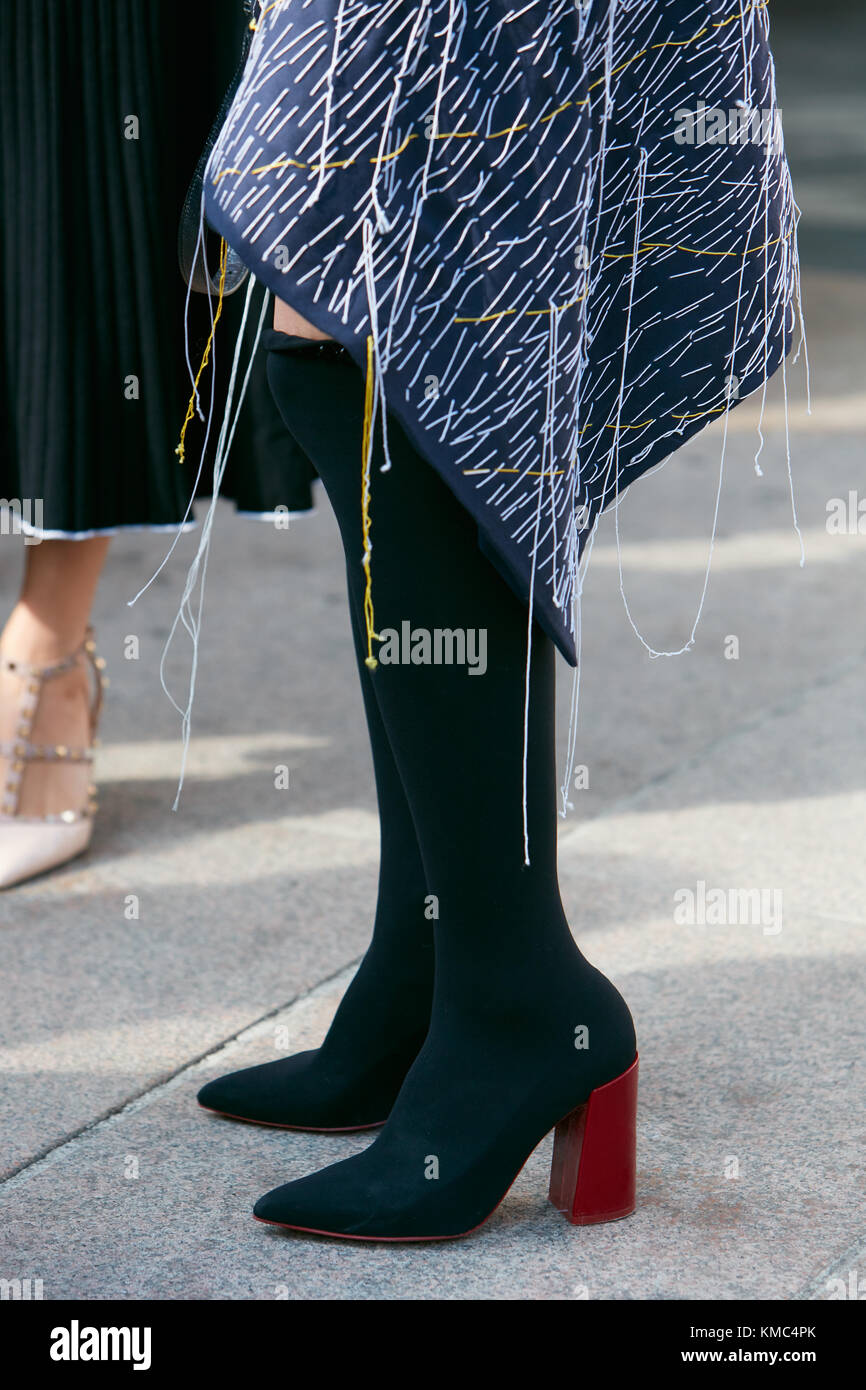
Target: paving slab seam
{"type": "Point", "coordinates": [141, 1098]}
{"type": "Point", "coordinates": [790, 703]}
{"type": "Point", "coordinates": [793, 701]}
{"type": "Point", "coordinates": [840, 1268]}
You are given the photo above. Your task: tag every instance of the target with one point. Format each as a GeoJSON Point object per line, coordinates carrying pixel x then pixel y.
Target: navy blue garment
{"type": "Point", "coordinates": [560, 234]}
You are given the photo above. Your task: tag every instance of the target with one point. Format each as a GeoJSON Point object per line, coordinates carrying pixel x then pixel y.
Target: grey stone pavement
{"type": "Point", "coordinates": [744, 773]}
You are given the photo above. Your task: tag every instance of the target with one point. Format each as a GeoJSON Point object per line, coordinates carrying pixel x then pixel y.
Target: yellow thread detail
{"type": "Point", "coordinates": [741, 14]}
{"type": "Point", "coordinates": [533, 472]}
{"type": "Point", "coordinates": [275, 4]}
{"type": "Point", "coordinates": [487, 318]}
{"type": "Point", "coordinates": [526, 314]}
{"type": "Point", "coordinates": [510, 130]}
{"type": "Point", "coordinates": [190, 410]}
{"type": "Point", "coordinates": [697, 415]}
{"type": "Point", "coordinates": [629, 256]}
{"type": "Point", "coordinates": [679, 43]}
{"type": "Point", "coordinates": [559, 110]}
{"type": "Point", "coordinates": [277, 164]}
{"type": "Point", "coordinates": [526, 473]}
{"type": "Point", "coordinates": [383, 159]}
{"type": "Point", "coordinates": [691, 250]}
{"type": "Point", "coordinates": [640, 426]}
{"type": "Point", "coordinates": [600, 81]}
{"type": "Point", "coordinates": [366, 445]}
{"type": "Point", "coordinates": [534, 313]}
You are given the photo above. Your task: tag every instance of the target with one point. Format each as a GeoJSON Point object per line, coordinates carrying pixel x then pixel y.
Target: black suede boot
{"type": "Point", "coordinates": [352, 1080]}
{"type": "Point", "coordinates": [524, 1031]}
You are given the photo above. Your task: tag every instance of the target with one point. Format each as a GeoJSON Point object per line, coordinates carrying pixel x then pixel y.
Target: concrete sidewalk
{"type": "Point", "coordinates": [252, 903]}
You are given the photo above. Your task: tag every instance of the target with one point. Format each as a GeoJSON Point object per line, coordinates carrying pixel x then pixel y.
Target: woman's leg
{"type": "Point", "coordinates": [522, 1026]}
{"type": "Point", "coordinates": [47, 623]}
{"type": "Point", "coordinates": [352, 1080]}
{"type": "Point", "coordinates": [53, 609]}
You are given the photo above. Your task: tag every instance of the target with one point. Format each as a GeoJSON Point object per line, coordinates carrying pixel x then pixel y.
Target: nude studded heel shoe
{"type": "Point", "coordinates": [31, 844]}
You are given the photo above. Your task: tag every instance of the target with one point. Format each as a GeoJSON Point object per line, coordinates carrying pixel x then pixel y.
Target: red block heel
{"type": "Point", "coordinates": [592, 1175]}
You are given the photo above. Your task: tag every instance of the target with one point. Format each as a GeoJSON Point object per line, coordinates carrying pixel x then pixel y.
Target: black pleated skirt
{"type": "Point", "coordinates": [104, 108]}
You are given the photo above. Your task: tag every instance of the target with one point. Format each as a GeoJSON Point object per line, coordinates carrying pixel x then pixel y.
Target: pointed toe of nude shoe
{"type": "Point", "coordinates": [30, 848]}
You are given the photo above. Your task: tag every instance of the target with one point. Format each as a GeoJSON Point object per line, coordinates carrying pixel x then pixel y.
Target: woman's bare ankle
{"type": "Point", "coordinates": [26, 638]}
{"type": "Point", "coordinates": [288, 320]}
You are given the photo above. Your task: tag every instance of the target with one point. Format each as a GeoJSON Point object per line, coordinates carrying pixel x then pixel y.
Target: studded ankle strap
{"type": "Point", "coordinates": [20, 751]}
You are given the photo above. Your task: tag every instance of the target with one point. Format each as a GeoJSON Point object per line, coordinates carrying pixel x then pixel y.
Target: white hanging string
{"type": "Point", "coordinates": [201, 249]}
{"type": "Point", "coordinates": [370, 279]}
{"type": "Point", "coordinates": [329, 102]}
{"type": "Point", "coordinates": [197, 574]}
